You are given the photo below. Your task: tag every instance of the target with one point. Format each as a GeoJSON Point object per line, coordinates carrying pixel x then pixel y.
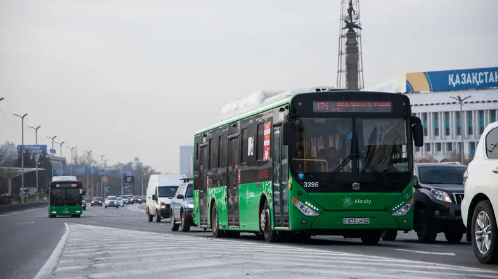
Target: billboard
{"type": "Point", "coordinates": [451, 80]}
{"type": "Point", "coordinates": [129, 182]}
{"type": "Point", "coordinates": [33, 149]}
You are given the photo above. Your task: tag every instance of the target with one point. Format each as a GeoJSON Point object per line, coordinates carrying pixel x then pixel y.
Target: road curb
{"type": "Point", "coordinates": [49, 266]}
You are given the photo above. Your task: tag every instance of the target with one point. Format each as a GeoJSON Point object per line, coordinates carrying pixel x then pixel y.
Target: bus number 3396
{"type": "Point", "coordinates": [310, 184]}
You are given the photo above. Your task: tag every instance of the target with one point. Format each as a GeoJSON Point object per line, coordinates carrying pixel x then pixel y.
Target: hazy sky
{"type": "Point", "coordinates": [136, 78]}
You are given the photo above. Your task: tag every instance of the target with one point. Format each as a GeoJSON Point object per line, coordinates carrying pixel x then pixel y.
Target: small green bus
{"type": "Point", "coordinates": [295, 164]}
{"type": "Point", "coordinates": [65, 196]}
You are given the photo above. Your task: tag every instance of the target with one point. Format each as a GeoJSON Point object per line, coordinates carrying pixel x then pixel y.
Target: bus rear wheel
{"type": "Point", "coordinates": [265, 225]}
{"type": "Point", "coordinates": [215, 223]}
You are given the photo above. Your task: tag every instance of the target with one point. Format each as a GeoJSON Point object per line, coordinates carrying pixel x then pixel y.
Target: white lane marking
{"type": "Point", "coordinates": [51, 263]}
{"type": "Point", "coordinates": [427, 252]}
{"type": "Point", "coordinates": [22, 223]}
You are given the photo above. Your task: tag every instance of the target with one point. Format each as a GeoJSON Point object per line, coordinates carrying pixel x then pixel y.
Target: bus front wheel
{"type": "Point", "coordinates": [371, 238]}
{"type": "Point", "coordinates": [265, 225]}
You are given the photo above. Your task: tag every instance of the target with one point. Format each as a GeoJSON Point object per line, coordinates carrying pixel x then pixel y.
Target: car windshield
{"type": "Point", "coordinates": [111, 198]}
{"type": "Point", "coordinates": [190, 191]}
{"type": "Point", "coordinates": [97, 199]}
{"type": "Point", "coordinates": [167, 191]}
{"type": "Point", "coordinates": [119, 199]}
{"type": "Point", "coordinates": [447, 174]}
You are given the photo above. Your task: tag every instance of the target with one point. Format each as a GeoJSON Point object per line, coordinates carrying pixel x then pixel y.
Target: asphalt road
{"type": "Point", "coordinates": [29, 237]}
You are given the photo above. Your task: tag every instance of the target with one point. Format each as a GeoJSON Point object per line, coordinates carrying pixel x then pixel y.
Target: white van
{"type": "Point", "coordinates": [480, 202]}
{"type": "Point", "coordinates": [160, 191]}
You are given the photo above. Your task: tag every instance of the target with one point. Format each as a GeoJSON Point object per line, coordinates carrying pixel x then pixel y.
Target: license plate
{"type": "Point", "coordinates": [355, 221]}
{"type": "Point", "coordinates": [65, 212]}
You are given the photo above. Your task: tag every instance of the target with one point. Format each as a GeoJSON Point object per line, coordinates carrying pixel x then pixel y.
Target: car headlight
{"type": "Point", "coordinates": [441, 195]}
{"type": "Point", "coordinates": [163, 205]}
{"type": "Point", "coordinates": [306, 210]}
{"type": "Point", "coordinates": [189, 206]}
{"type": "Point", "coordinates": [404, 208]}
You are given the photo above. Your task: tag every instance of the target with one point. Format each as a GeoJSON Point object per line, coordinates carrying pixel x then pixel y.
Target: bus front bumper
{"type": "Point", "coordinates": [352, 220]}
{"type": "Point", "coordinates": [65, 210]}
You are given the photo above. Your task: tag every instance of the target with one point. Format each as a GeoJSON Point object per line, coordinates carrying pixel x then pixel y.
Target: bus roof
{"type": "Point", "coordinates": [64, 178]}
{"type": "Point", "coordinates": [260, 101]}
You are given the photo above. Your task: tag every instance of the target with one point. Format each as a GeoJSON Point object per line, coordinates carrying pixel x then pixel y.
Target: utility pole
{"type": "Point", "coordinates": [22, 154]}
{"type": "Point", "coordinates": [52, 148]}
{"type": "Point", "coordinates": [103, 185]}
{"type": "Point", "coordinates": [462, 132]}
{"type": "Point", "coordinates": [88, 171]}
{"type": "Point", "coordinates": [62, 166]}
{"type": "Point", "coordinates": [101, 175]}
{"type": "Point", "coordinates": [71, 157]}
{"type": "Point", "coordinates": [36, 161]}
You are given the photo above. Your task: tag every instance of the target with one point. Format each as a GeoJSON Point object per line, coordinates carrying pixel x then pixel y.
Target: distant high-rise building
{"type": "Point", "coordinates": [186, 154]}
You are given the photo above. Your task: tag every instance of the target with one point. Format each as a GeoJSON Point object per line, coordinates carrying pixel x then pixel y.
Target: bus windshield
{"type": "Point", "coordinates": [323, 144]}
{"type": "Point", "coordinates": [65, 197]}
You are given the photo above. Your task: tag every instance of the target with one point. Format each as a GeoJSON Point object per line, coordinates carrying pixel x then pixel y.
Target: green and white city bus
{"type": "Point", "coordinates": [301, 163]}
{"type": "Point", "coordinates": [65, 196]}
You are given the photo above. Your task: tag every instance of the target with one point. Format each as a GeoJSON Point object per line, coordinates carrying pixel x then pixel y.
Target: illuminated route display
{"type": "Point", "coordinates": [354, 106]}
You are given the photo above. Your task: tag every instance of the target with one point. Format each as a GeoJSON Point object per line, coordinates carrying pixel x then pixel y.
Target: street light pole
{"type": "Point", "coordinates": [22, 154]}
{"type": "Point", "coordinates": [462, 132]}
{"type": "Point", "coordinates": [36, 161]}
{"type": "Point", "coordinates": [101, 176]}
{"type": "Point", "coordinates": [52, 163]}
{"type": "Point", "coordinates": [71, 157]}
{"type": "Point", "coordinates": [88, 172]}
{"type": "Point", "coordinates": [60, 146]}
{"type": "Point", "coordinates": [105, 162]}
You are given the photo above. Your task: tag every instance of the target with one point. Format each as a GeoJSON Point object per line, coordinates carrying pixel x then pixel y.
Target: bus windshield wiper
{"type": "Point", "coordinates": [338, 169]}
{"type": "Point", "coordinates": [373, 170]}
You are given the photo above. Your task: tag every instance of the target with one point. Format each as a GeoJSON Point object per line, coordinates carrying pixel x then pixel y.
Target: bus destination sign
{"type": "Point", "coordinates": [353, 106]}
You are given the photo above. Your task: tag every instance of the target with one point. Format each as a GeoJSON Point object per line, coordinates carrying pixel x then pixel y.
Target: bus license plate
{"type": "Point", "coordinates": [355, 221]}
{"type": "Point", "coordinates": [65, 212]}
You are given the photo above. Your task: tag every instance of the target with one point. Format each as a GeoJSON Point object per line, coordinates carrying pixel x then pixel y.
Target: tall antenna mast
{"type": "Point", "coordinates": [350, 60]}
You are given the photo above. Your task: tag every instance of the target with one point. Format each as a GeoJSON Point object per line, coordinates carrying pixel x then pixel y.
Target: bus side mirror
{"type": "Point", "coordinates": [415, 181]}
{"type": "Point", "coordinates": [289, 132]}
{"type": "Point", "coordinates": [83, 192]}
{"type": "Point", "coordinates": [417, 131]}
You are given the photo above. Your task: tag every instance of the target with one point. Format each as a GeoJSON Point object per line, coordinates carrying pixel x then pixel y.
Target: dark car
{"type": "Point", "coordinates": [182, 207]}
{"type": "Point", "coordinates": [96, 201]}
{"type": "Point", "coordinates": [438, 194]}
{"type": "Point", "coordinates": [142, 198]}
{"type": "Point", "coordinates": [136, 199]}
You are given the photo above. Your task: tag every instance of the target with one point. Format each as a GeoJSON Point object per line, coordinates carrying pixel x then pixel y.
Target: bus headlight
{"type": "Point", "coordinates": [304, 208]}
{"type": "Point", "coordinates": [404, 209]}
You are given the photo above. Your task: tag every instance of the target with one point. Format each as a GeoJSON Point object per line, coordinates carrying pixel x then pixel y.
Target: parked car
{"type": "Point", "coordinates": [83, 204]}
{"type": "Point", "coordinates": [480, 202]}
{"type": "Point", "coordinates": [111, 201]}
{"type": "Point", "coordinates": [96, 201]}
{"type": "Point", "coordinates": [120, 201]}
{"type": "Point", "coordinates": [182, 207]}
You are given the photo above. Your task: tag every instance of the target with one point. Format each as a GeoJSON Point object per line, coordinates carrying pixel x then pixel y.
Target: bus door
{"type": "Point", "coordinates": [233, 182]}
{"type": "Point", "coordinates": [280, 179]}
{"type": "Point", "coordinates": [203, 165]}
